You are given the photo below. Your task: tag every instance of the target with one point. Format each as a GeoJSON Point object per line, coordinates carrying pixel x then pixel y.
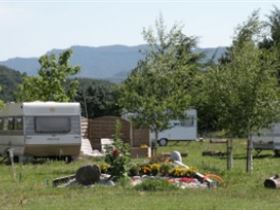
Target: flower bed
{"type": "Point", "coordinates": [178, 176]}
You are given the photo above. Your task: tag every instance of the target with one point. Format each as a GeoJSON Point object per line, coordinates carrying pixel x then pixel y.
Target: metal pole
{"type": "Point", "coordinates": [11, 155]}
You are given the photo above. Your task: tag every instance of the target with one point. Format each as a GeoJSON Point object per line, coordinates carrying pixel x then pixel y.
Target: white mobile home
{"type": "Point", "coordinates": [268, 139]}
{"type": "Point", "coordinates": [40, 129]}
{"type": "Point", "coordinates": [180, 130]}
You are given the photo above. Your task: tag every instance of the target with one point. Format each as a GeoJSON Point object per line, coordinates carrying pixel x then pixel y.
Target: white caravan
{"type": "Point", "coordinates": [40, 129]}
{"type": "Point", "coordinates": [268, 139]}
{"type": "Point", "coordinates": [180, 130]}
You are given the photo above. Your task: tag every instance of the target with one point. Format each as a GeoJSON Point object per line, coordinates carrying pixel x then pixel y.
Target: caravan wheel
{"type": "Point", "coordinates": [68, 159]}
{"type": "Point", "coordinates": [163, 142]}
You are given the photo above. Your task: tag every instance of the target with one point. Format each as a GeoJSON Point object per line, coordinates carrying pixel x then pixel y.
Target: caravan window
{"type": "Point", "coordinates": [11, 123]}
{"type": "Point", "coordinates": [189, 122]}
{"type": "Point", "coordinates": [18, 123]}
{"type": "Point", "coordinates": [5, 124]}
{"type": "Point", "coordinates": [1, 124]}
{"type": "Point", "coordinates": [52, 124]}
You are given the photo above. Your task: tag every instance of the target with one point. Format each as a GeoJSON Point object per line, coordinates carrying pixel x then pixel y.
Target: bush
{"type": "Point", "coordinates": [119, 157]}
{"type": "Point", "coordinates": [134, 170]}
{"type": "Point", "coordinates": [165, 169]}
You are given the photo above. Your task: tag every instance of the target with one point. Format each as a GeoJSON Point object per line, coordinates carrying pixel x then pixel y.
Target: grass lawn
{"type": "Point", "coordinates": [33, 189]}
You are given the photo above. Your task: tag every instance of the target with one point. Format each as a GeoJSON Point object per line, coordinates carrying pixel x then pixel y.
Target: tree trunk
{"type": "Point", "coordinates": [249, 165]}
{"type": "Point", "coordinates": [154, 144]}
{"type": "Point", "coordinates": [229, 154]}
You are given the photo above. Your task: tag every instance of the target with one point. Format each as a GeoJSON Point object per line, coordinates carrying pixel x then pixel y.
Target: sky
{"type": "Point", "coordinates": [30, 28]}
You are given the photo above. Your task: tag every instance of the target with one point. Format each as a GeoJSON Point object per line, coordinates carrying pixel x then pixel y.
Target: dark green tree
{"type": "Point", "coordinates": [9, 80]}
{"type": "Point", "coordinates": [99, 98]}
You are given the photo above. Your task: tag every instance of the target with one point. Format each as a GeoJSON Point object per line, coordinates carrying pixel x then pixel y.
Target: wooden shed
{"type": "Point", "coordinates": [104, 127]}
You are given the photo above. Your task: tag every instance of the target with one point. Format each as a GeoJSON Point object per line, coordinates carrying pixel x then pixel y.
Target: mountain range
{"type": "Point", "coordinates": [112, 62]}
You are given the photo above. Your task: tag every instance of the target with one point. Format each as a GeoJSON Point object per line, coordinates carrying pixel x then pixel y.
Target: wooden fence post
{"type": "Point", "coordinates": [229, 154]}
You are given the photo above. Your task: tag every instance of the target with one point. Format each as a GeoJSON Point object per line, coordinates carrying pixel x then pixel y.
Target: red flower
{"type": "Point", "coordinates": [186, 179]}
{"type": "Point", "coordinates": [115, 153]}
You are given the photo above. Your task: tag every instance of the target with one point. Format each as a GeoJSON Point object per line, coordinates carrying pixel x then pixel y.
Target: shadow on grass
{"type": "Point", "coordinates": [244, 157]}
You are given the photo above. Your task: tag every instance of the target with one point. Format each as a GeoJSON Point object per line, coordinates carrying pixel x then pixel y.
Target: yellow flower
{"type": "Point", "coordinates": [104, 167]}
{"type": "Point", "coordinates": [143, 146]}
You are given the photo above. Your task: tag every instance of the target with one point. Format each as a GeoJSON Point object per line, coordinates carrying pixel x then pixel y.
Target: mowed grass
{"type": "Point", "coordinates": [32, 188]}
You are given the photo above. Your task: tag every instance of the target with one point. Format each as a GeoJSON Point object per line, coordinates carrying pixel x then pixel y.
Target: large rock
{"type": "Point", "coordinates": [88, 175]}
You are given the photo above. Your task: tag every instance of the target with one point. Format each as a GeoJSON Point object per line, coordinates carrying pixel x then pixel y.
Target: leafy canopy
{"type": "Point", "coordinates": [157, 90]}
{"type": "Point", "coordinates": [244, 91]}
{"type": "Point", "coordinates": [51, 84]}
{"type": "Point", "coordinates": [98, 98]}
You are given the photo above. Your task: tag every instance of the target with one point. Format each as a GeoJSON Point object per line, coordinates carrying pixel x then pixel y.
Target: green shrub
{"type": "Point", "coordinates": [165, 168]}
{"type": "Point", "coordinates": [134, 170]}
{"type": "Point", "coordinates": [119, 157]}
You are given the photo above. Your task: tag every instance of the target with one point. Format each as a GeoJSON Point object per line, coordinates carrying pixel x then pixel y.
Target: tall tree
{"type": "Point", "coordinates": [51, 84]}
{"type": "Point", "coordinates": [244, 91]}
{"type": "Point", "coordinates": [272, 39]}
{"type": "Point", "coordinates": [271, 42]}
{"type": "Point", "coordinates": [157, 90]}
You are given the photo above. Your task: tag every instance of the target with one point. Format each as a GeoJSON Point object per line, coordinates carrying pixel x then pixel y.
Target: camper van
{"type": "Point", "coordinates": [180, 130]}
{"type": "Point", "coordinates": [268, 139]}
{"type": "Point", "coordinates": [40, 129]}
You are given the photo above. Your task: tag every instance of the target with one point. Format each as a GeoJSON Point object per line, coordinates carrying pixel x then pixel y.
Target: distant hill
{"type": "Point", "coordinates": [108, 62]}
{"type": "Point", "coordinates": [9, 79]}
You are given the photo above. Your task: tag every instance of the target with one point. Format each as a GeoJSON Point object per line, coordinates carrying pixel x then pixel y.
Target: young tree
{"type": "Point", "coordinates": [51, 84]}
{"type": "Point", "coordinates": [244, 91]}
{"type": "Point", "coordinates": [157, 90]}
{"type": "Point", "coordinates": [272, 40]}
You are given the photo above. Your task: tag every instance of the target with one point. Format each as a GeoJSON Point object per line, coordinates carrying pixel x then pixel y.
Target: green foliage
{"type": "Point", "coordinates": [98, 98]}
{"type": "Point", "coordinates": [248, 32]}
{"type": "Point", "coordinates": [134, 170]}
{"type": "Point", "coordinates": [243, 92]}
{"type": "Point", "coordinates": [9, 79]}
{"type": "Point", "coordinates": [51, 82]}
{"type": "Point", "coordinates": [119, 157]}
{"type": "Point", "coordinates": [272, 41]}
{"type": "Point", "coordinates": [155, 185]}
{"type": "Point", "coordinates": [157, 90]}
{"type": "Point", "coordinates": [165, 168]}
